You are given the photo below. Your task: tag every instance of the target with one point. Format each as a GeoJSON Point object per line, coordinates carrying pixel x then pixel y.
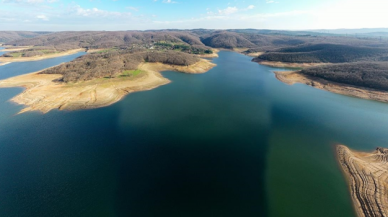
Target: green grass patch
{"type": "Point", "coordinates": [16, 54]}
{"type": "Point", "coordinates": [131, 73]}
{"type": "Point", "coordinates": [48, 51]}
{"type": "Point", "coordinates": [106, 50]}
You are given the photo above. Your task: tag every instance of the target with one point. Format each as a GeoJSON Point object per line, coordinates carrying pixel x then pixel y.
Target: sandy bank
{"type": "Point", "coordinates": [36, 58]}
{"type": "Point", "coordinates": [255, 54]}
{"type": "Point", "coordinates": [292, 77]}
{"type": "Point", "coordinates": [213, 55]}
{"type": "Point", "coordinates": [290, 65]}
{"type": "Point", "coordinates": [367, 176]}
{"type": "Point", "coordinates": [2, 64]}
{"type": "Point", "coordinates": [14, 48]}
{"type": "Point", "coordinates": [43, 94]}
{"type": "Point", "coordinates": [243, 51]}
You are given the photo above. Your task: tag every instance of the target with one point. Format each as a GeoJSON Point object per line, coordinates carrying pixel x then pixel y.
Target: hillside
{"type": "Point", "coordinates": [96, 40]}
{"type": "Point", "coordinates": [324, 53]}
{"type": "Point", "coordinates": [258, 40]}
{"type": "Point", "coordinates": [112, 63]}
{"type": "Point", "coordinates": [364, 74]}
{"type": "Point", "coordinates": [227, 40]}
{"type": "Point", "coordinates": [6, 36]}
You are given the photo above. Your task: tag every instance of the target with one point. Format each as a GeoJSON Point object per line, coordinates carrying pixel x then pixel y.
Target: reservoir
{"type": "Point", "coordinates": [232, 142]}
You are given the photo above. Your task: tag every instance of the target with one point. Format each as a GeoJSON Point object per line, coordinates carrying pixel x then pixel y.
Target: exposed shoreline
{"type": "Point", "coordinates": [2, 64]}
{"type": "Point", "coordinates": [289, 65]}
{"type": "Point", "coordinates": [292, 77]}
{"type": "Point", "coordinates": [14, 48]}
{"type": "Point", "coordinates": [366, 174]}
{"type": "Point", "coordinates": [36, 58]}
{"type": "Point", "coordinates": [43, 94]}
{"type": "Point", "coordinates": [213, 55]}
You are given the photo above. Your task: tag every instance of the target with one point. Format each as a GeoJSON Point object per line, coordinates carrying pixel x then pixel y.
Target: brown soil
{"type": "Point", "coordinates": [367, 175]}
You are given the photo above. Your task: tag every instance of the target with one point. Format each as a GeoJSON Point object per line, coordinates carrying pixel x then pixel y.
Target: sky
{"type": "Point", "coordinates": [109, 15]}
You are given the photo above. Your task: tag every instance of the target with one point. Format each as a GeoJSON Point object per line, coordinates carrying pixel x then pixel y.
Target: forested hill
{"type": "Point", "coordinates": [6, 36]}
{"type": "Point", "coordinates": [229, 39]}
{"type": "Point", "coordinates": [363, 74]}
{"type": "Point", "coordinates": [325, 53]}
{"type": "Point", "coordinates": [112, 62]}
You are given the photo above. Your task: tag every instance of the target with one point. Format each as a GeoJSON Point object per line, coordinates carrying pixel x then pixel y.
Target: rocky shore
{"type": "Point", "coordinates": [367, 176]}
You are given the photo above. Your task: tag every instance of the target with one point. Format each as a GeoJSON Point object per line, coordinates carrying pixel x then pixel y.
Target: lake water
{"type": "Point", "coordinates": [231, 142]}
{"type": "Point", "coordinates": [1, 53]}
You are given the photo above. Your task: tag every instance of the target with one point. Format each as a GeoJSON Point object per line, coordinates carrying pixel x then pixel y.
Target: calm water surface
{"type": "Point", "coordinates": [231, 142]}
{"type": "Point", "coordinates": [1, 53]}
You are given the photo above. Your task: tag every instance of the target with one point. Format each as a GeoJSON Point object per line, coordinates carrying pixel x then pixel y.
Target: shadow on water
{"type": "Point", "coordinates": [195, 147]}
{"type": "Point", "coordinates": [230, 142]}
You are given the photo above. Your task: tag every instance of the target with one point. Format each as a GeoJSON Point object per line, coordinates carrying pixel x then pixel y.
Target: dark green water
{"type": "Point", "coordinates": [231, 142]}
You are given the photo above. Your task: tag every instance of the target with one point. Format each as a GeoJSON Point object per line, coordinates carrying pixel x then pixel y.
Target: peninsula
{"type": "Point", "coordinates": [367, 175]}
{"type": "Point", "coordinates": [358, 71]}
{"type": "Point", "coordinates": [101, 79]}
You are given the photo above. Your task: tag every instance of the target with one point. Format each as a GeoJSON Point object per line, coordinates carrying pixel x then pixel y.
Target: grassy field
{"type": "Point", "coordinates": [106, 50]}
{"type": "Point", "coordinates": [131, 73]}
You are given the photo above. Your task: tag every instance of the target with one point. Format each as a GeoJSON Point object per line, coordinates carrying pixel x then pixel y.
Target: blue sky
{"type": "Point", "coordinates": [57, 15]}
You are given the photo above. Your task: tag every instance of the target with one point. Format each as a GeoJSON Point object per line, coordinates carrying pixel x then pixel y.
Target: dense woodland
{"type": "Point", "coordinates": [112, 63]}
{"type": "Point", "coordinates": [6, 36]}
{"type": "Point", "coordinates": [255, 39]}
{"type": "Point", "coordinates": [364, 74]}
{"type": "Point", "coordinates": [325, 53]}
{"type": "Point", "coordinates": [31, 52]}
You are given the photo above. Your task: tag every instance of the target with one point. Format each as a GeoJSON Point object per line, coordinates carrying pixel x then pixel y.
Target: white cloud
{"type": "Point", "coordinates": [231, 10]}
{"type": "Point", "coordinates": [42, 17]}
{"type": "Point", "coordinates": [228, 11]}
{"type": "Point", "coordinates": [168, 1]}
{"type": "Point", "coordinates": [133, 8]}
{"type": "Point", "coordinates": [95, 12]}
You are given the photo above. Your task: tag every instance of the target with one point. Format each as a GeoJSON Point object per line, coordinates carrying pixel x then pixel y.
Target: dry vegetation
{"type": "Point", "coordinates": [112, 63]}
{"type": "Point", "coordinates": [125, 50]}
{"type": "Point", "coordinates": [364, 74]}
{"type": "Point", "coordinates": [324, 53]}
{"type": "Point", "coordinates": [6, 36]}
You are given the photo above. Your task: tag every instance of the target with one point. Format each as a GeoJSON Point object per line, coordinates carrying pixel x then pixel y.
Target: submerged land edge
{"type": "Point", "coordinates": [366, 175]}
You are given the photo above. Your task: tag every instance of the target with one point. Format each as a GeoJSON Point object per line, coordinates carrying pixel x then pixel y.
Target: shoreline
{"type": "Point", "coordinates": [2, 64]}
{"type": "Point", "coordinates": [292, 77]}
{"type": "Point", "coordinates": [42, 94]}
{"type": "Point", "coordinates": [366, 175]}
{"type": "Point", "coordinates": [213, 55]}
{"type": "Point", "coordinates": [289, 65]}
{"type": "Point", "coordinates": [9, 48]}
{"type": "Point", "coordinates": [36, 58]}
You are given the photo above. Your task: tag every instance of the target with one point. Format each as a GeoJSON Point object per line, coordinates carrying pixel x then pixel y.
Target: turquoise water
{"type": "Point", "coordinates": [231, 142]}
